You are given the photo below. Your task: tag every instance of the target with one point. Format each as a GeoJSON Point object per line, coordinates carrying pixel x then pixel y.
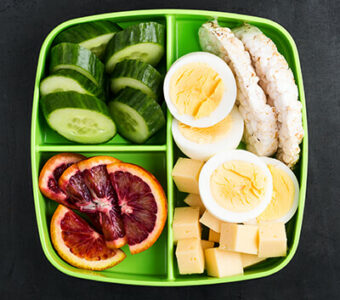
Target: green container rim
{"type": "Point", "coordinates": [169, 151]}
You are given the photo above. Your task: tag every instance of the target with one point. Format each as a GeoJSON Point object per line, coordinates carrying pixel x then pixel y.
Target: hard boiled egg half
{"type": "Point", "coordinates": [285, 197]}
{"type": "Point", "coordinates": [202, 143]}
{"type": "Point", "coordinates": [200, 89]}
{"type": "Point", "coordinates": [235, 186]}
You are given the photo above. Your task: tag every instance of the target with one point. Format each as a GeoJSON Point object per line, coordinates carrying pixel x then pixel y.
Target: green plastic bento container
{"type": "Point", "coordinates": [157, 266]}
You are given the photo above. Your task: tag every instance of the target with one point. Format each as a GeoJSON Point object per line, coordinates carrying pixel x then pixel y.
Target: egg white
{"type": "Point", "coordinates": [284, 168]}
{"type": "Point", "coordinates": [204, 151]}
{"type": "Point", "coordinates": [205, 190]}
{"type": "Point", "coordinates": [228, 100]}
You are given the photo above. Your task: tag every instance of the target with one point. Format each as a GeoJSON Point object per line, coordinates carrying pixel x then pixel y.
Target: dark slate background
{"type": "Point", "coordinates": [25, 273]}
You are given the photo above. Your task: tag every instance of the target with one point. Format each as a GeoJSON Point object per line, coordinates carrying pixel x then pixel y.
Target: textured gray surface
{"type": "Point", "coordinates": [314, 272]}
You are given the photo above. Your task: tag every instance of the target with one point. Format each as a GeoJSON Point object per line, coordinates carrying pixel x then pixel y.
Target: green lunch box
{"type": "Point", "coordinates": [157, 266]}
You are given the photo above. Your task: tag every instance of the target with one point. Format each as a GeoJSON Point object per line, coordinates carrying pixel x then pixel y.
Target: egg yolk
{"type": "Point", "coordinates": [207, 135]}
{"type": "Point", "coordinates": [238, 186]}
{"type": "Point", "coordinates": [196, 90]}
{"type": "Point", "coordinates": [282, 198]}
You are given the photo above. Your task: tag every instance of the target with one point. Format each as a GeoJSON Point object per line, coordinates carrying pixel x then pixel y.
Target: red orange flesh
{"type": "Point", "coordinates": [142, 202]}
{"type": "Point", "coordinates": [79, 244]}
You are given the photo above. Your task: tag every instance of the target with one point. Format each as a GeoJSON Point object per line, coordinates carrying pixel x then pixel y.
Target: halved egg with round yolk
{"type": "Point", "coordinates": [285, 197]}
{"type": "Point", "coordinates": [235, 186]}
{"type": "Point", "coordinates": [200, 89]}
{"type": "Point", "coordinates": [202, 143]}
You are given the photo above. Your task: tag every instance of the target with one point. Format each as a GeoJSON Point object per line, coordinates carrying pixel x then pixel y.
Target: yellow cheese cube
{"type": "Point", "coordinates": [210, 221]}
{"type": "Point", "coordinates": [207, 244]}
{"type": "Point", "coordinates": [272, 240]}
{"type": "Point", "coordinates": [214, 236]}
{"type": "Point", "coordinates": [185, 224]}
{"type": "Point", "coordinates": [222, 263]}
{"type": "Point", "coordinates": [239, 238]}
{"type": "Point", "coordinates": [250, 259]}
{"type": "Point", "coordinates": [190, 256]}
{"type": "Point", "coordinates": [185, 174]}
{"type": "Point", "coordinates": [194, 200]}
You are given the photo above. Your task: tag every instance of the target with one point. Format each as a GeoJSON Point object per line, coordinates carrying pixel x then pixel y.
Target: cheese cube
{"type": "Point", "coordinates": [185, 174]}
{"type": "Point", "coordinates": [250, 259]}
{"type": "Point", "coordinates": [239, 238]}
{"type": "Point", "coordinates": [194, 200]}
{"type": "Point", "coordinates": [207, 244]}
{"type": "Point", "coordinates": [272, 240]}
{"type": "Point", "coordinates": [214, 236]}
{"type": "Point", "coordinates": [190, 256]}
{"type": "Point", "coordinates": [185, 224]}
{"type": "Point", "coordinates": [210, 221]}
{"type": "Point", "coordinates": [222, 263]}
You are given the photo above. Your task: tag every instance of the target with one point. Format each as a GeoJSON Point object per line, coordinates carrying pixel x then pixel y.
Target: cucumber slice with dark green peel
{"type": "Point", "coordinates": [93, 36]}
{"type": "Point", "coordinates": [144, 41]}
{"type": "Point", "coordinates": [136, 115]}
{"type": "Point", "coordinates": [78, 117]}
{"type": "Point", "coordinates": [70, 80]}
{"type": "Point", "coordinates": [138, 75]}
{"type": "Point", "coordinates": [74, 57]}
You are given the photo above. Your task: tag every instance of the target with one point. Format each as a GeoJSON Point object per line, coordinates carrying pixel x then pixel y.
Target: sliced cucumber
{"type": "Point", "coordinates": [70, 80]}
{"type": "Point", "coordinates": [138, 75]}
{"type": "Point", "coordinates": [75, 57]}
{"type": "Point", "coordinates": [137, 115]}
{"type": "Point", "coordinates": [93, 36]}
{"type": "Point", "coordinates": [78, 117]}
{"type": "Point", "coordinates": [144, 41]}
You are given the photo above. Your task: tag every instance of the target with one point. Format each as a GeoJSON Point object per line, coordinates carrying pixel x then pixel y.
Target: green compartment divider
{"type": "Point", "coordinates": [169, 153]}
{"type": "Point", "coordinates": [157, 266]}
{"type": "Point", "coordinates": [101, 148]}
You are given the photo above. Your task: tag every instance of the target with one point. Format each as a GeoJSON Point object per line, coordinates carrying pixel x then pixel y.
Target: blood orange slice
{"type": "Point", "coordinates": [90, 190]}
{"type": "Point", "coordinates": [50, 173]}
{"type": "Point", "coordinates": [142, 203]}
{"type": "Point", "coordinates": [79, 244]}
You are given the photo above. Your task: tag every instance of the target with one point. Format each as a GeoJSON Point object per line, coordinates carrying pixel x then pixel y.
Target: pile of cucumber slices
{"type": "Point", "coordinates": [91, 64]}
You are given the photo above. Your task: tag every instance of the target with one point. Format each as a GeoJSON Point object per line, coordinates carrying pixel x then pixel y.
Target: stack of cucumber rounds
{"type": "Point", "coordinates": [130, 59]}
{"type": "Point", "coordinates": [74, 94]}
